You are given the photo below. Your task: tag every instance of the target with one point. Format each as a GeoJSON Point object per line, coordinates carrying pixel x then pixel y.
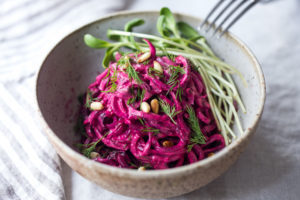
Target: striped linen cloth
{"type": "Point", "coordinates": [29, 166]}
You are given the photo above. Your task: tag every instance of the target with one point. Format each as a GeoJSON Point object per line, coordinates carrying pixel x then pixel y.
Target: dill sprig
{"type": "Point", "coordinates": [89, 99]}
{"type": "Point", "coordinates": [148, 128]}
{"type": "Point", "coordinates": [112, 80]}
{"type": "Point", "coordinates": [140, 94]}
{"type": "Point", "coordinates": [197, 135]}
{"type": "Point", "coordinates": [112, 88]}
{"type": "Point", "coordinates": [168, 110]}
{"type": "Point", "coordinates": [179, 92]}
{"type": "Point", "coordinates": [152, 71]}
{"type": "Point", "coordinates": [174, 74]}
{"type": "Point", "coordinates": [131, 72]}
{"type": "Point", "coordinates": [89, 148]}
{"type": "Point", "coordinates": [141, 121]}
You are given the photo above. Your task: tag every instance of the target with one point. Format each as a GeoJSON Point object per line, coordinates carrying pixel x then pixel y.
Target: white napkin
{"type": "Point", "coordinates": [30, 168]}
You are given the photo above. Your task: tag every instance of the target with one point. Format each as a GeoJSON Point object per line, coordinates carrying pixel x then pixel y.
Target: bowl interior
{"type": "Point", "coordinates": [71, 66]}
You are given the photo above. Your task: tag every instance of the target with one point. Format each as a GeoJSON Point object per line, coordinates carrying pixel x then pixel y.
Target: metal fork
{"type": "Point", "coordinates": [241, 6]}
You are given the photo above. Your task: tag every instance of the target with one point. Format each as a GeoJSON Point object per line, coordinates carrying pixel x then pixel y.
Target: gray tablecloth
{"type": "Point", "coordinates": [270, 166]}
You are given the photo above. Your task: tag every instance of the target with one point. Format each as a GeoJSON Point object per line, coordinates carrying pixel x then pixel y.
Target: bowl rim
{"type": "Point", "coordinates": [152, 173]}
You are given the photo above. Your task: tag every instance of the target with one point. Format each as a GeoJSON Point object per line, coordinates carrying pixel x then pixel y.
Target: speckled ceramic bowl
{"type": "Point", "coordinates": [71, 66]}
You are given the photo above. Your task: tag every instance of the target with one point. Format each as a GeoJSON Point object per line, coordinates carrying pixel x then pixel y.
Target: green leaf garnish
{"type": "Point", "coordinates": [94, 42]}
{"type": "Point", "coordinates": [179, 92]}
{"type": "Point", "coordinates": [153, 72]}
{"type": "Point", "coordinates": [132, 74]}
{"type": "Point", "coordinates": [197, 135]}
{"type": "Point", "coordinates": [87, 149]}
{"type": "Point", "coordinates": [175, 71]}
{"type": "Point", "coordinates": [187, 31]}
{"type": "Point", "coordinates": [141, 121]}
{"type": "Point", "coordinates": [149, 129]}
{"type": "Point", "coordinates": [168, 110]}
{"type": "Point", "coordinates": [167, 22]}
{"type": "Point", "coordinates": [133, 23]}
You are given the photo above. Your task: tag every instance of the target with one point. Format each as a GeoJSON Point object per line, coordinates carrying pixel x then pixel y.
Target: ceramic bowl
{"type": "Point", "coordinates": [71, 66]}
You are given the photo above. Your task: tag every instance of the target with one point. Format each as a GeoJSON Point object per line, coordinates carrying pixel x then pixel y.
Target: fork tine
{"type": "Point", "coordinates": [211, 12]}
{"type": "Point", "coordinates": [239, 16]}
{"type": "Point", "coordinates": [220, 14]}
{"type": "Point", "coordinates": [229, 15]}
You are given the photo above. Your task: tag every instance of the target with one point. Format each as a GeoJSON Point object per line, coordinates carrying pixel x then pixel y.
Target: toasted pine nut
{"type": "Point", "coordinates": [94, 155]}
{"type": "Point", "coordinates": [144, 57]}
{"type": "Point", "coordinates": [157, 66]}
{"type": "Point", "coordinates": [167, 143]}
{"type": "Point", "coordinates": [145, 107]}
{"type": "Point", "coordinates": [142, 168]}
{"type": "Point", "coordinates": [96, 105]}
{"type": "Point", "coordinates": [154, 105]}
{"type": "Point", "coordinates": [210, 154]}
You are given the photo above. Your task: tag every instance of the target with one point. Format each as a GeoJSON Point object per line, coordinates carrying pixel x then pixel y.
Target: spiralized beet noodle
{"type": "Point", "coordinates": [132, 138]}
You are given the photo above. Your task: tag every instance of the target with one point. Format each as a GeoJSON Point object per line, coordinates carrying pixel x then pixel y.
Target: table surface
{"type": "Point", "coordinates": [270, 166]}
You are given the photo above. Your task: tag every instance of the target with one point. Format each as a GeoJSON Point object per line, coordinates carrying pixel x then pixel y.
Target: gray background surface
{"type": "Point", "coordinates": [270, 166]}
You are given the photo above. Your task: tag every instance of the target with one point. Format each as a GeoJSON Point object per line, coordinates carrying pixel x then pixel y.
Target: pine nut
{"type": "Point", "coordinates": [157, 67]}
{"type": "Point", "coordinates": [210, 154]}
{"type": "Point", "coordinates": [167, 143]}
{"type": "Point", "coordinates": [96, 105]}
{"type": "Point", "coordinates": [154, 106]}
{"type": "Point", "coordinates": [145, 107]}
{"type": "Point", "coordinates": [94, 155]}
{"type": "Point", "coordinates": [142, 168]}
{"type": "Point", "coordinates": [144, 57]}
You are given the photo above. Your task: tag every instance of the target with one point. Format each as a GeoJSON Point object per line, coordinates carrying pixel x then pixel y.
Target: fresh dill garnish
{"type": "Point", "coordinates": [87, 149]}
{"type": "Point", "coordinates": [89, 99]}
{"type": "Point", "coordinates": [179, 93]}
{"type": "Point", "coordinates": [133, 98]}
{"type": "Point", "coordinates": [150, 129]}
{"type": "Point", "coordinates": [197, 135]}
{"type": "Point", "coordinates": [131, 72]}
{"type": "Point", "coordinates": [153, 72]}
{"type": "Point", "coordinates": [172, 87]}
{"type": "Point", "coordinates": [112, 81]}
{"type": "Point", "coordinates": [108, 73]}
{"type": "Point", "coordinates": [168, 110]}
{"type": "Point", "coordinates": [112, 88]}
{"type": "Point", "coordinates": [174, 74]}
{"type": "Point", "coordinates": [147, 166]}
{"type": "Point", "coordinates": [141, 121]}
{"type": "Point", "coordinates": [133, 165]}
{"type": "Point", "coordinates": [146, 62]}
{"type": "Point", "coordinates": [142, 95]}
{"type": "Point", "coordinates": [190, 146]}
{"type": "Point", "coordinates": [139, 94]}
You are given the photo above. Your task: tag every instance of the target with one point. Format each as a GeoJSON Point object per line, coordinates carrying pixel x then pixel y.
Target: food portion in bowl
{"type": "Point", "coordinates": [167, 102]}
